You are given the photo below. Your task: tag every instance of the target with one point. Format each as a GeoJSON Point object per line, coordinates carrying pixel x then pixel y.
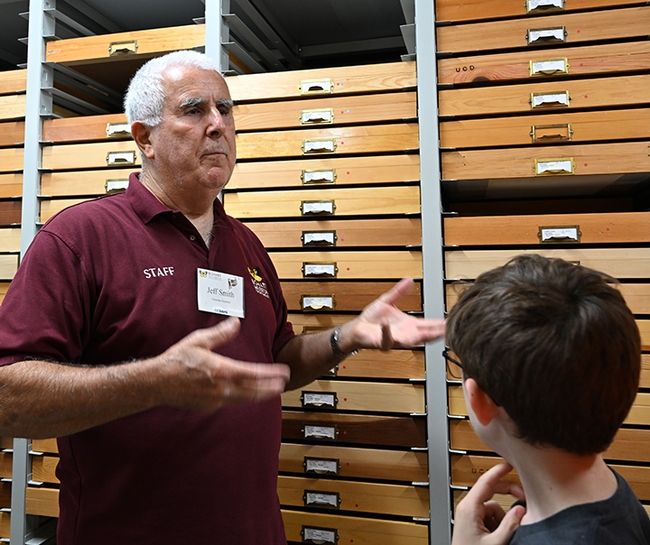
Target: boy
{"type": "Point", "coordinates": [550, 355]}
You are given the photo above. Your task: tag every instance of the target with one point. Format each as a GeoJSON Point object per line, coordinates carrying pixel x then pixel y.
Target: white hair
{"type": "Point", "coordinates": [145, 98]}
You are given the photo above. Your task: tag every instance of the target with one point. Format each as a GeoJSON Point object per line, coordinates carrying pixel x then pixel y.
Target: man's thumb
{"type": "Point", "coordinates": [508, 525]}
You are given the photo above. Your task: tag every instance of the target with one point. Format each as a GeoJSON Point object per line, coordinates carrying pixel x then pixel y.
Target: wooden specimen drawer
{"type": "Point", "coordinates": [337, 428]}
{"type": "Point", "coordinates": [362, 463]}
{"type": "Point", "coordinates": [547, 162]}
{"type": "Point", "coordinates": [347, 110]}
{"type": "Point", "coordinates": [53, 206]}
{"type": "Point", "coordinates": [324, 172]}
{"type": "Point", "coordinates": [45, 445]}
{"type": "Point", "coordinates": [311, 323]}
{"type": "Point", "coordinates": [573, 61]}
{"type": "Point", "coordinates": [386, 499]}
{"type": "Point", "coordinates": [356, 202]}
{"type": "Point", "coordinates": [315, 296]}
{"type": "Point", "coordinates": [44, 468]}
{"type": "Point", "coordinates": [13, 107]}
{"type": "Point", "coordinates": [452, 10]}
{"type": "Point", "coordinates": [125, 44]}
{"type": "Point", "coordinates": [86, 128]}
{"type": "Point", "coordinates": [5, 465]}
{"type": "Point", "coordinates": [369, 363]}
{"type": "Point", "coordinates": [13, 81]}
{"type": "Point", "coordinates": [10, 239]}
{"type": "Point", "coordinates": [12, 133]}
{"type": "Point", "coordinates": [326, 529]}
{"type": "Point", "coordinates": [11, 185]}
{"type": "Point", "coordinates": [84, 182]}
{"type": "Point", "coordinates": [569, 28]}
{"type": "Point", "coordinates": [11, 159]}
{"type": "Point", "coordinates": [348, 265]}
{"type": "Point", "coordinates": [8, 266]}
{"type": "Point", "coordinates": [4, 286]}
{"type": "Point", "coordinates": [358, 396]}
{"type": "Point", "coordinates": [404, 232]}
{"type": "Point", "coordinates": [323, 81]}
{"type": "Point", "coordinates": [543, 96]}
{"type": "Point", "coordinates": [10, 212]}
{"type": "Point", "coordinates": [546, 129]}
{"type": "Point", "coordinates": [42, 501]}
{"type": "Point", "coordinates": [620, 263]}
{"type": "Point", "coordinates": [328, 141]}
{"type": "Point", "coordinates": [557, 228]}
{"type": "Point", "coordinates": [97, 155]}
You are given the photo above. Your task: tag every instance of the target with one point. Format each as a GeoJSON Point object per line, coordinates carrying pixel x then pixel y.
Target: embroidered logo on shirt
{"type": "Point", "coordinates": [155, 272]}
{"type": "Point", "coordinates": [258, 282]}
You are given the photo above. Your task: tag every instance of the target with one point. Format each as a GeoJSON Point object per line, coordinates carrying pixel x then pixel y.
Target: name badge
{"type": "Point", "coordinates": [220, 293]}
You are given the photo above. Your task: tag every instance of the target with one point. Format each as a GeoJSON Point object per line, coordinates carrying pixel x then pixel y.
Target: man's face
{"type": "Point", "coordinates": [194, 145]}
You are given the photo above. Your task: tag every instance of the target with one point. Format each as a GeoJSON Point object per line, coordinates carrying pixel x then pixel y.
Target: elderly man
{"type": "Point", "coordinates": [148, 332]}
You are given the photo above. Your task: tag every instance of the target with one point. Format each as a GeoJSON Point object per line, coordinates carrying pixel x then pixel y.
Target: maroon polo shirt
{"type": "Point", "coordinates": [114, 279]}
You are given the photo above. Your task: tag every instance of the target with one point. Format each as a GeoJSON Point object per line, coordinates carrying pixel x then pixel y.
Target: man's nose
{"type": "Point", "coordinates": [216, 123]}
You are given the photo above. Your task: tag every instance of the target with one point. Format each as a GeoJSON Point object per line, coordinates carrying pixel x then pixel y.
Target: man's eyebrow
{"type": "Point", "coordinates": [192, 102]}
{"type": "Point", "coordinates": [226, 102]}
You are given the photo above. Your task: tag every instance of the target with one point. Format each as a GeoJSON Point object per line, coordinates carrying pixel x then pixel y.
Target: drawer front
{"type": "Point", "coordinates": [328, 141]}
{"type": "Point", "coordinates": [363, 463]}
{"type": "Point", "coordinates": [452, 10]}
{"type": "Point", "coordinates": [547, 162]}
{"type": "Point", "coordinates": [51, 207]}
{"type": "Point", "coordinates": [44, 469]}
{"type": "Point", "coordinates": [348, 265]}
{"type": "Point", "coordinates": [323, 82]}
{"type": "Point", "coordinates": [358, 396]}
{"type": "Point", "coordinates": [386, 499]}
{"type": "Point", "coordinates": [544, 129]}
{"type": "Point", "coordinates": [11, 185]}
{"type": "Point", "coordinates": [317, 172]}
{"type": "Point", "coordinates": [339, 233]}
{"type": "Point", "coordinates": [86, 128]}
{"type": "Point", "coordinates": [338, 428]}
{"type": "Point", "coordinates": [125, 44]}
{"type": "Point", "coordinates": [98, 155]}
{"type": "Point", "coordinates": [405, 364]}
{"type": "Point", "coordinates": [574, 61]}
{"type": "Point", "coordinates": [557, 228]}
{"type": "Point", "coordinates": [10, 212]}
{"type": "Point", "coordinates": [4, 286]}
{"type": "Point", "coordinates": [332, 529]}
{"type": "Point", "coordinates": [566, 28]}
{"type": "Point", "coordinates": [545, 96]}
{"type": "Point", "coordinates": [13, 81]}
{"type": "Point", "coordinates": [316, 202]}
{"type": "Point", "coordinates": [310, 323]}
{"type": "Point", "coordinates": [12, 133]}
{"type": "Point", "coordinates": [8, 266]}
{"type": "Point", "coordinates": [10, 239]}
{"type": "Point", "coordinates": [620, 263]}
{"type": "Point", "coordinates": [13, 107]}
{"type": "Point", "coordinates": [42, 501]}
{"type": "Point", "coordinates": [317, 296]}
{"type": "Point", "coordinates": [326, 111]}
{"type": "Point", "coordinates": [84, 182]}
{"type": "Point", "coordinates": [11, 159]}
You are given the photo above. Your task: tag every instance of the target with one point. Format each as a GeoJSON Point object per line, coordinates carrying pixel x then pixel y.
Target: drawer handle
{"type": "Point", "coordinates": [546, 35]}
{"type": "Point", "coordinates": [320, 432]}
{"type": "Point", "coordinates": [325, 145]}
{"type": "Point", "coordinates": [314, 117]}
{"type": "Point", "coordinates": [319, 536]}
{"type": "Point", "coordinates": [317, 302]}
{"type": "Point", "coordinates": [323, 86]}
{"type": "Point", "coordinates": [115, 186]}
{"type": "Point", "coordinates": [544, 5]}
{"type": "Point", "coordinates": [129, 47]}
{"type": "Point", "coordinates": [550, 67]}
{"type": "Point", "coordinates": [318, 176]}
{"type": "Point", "coordinates": [317, 207]}
{"type": "Point", "coordinates": [318, 400]}
{"type": "Point", "coordinates": [117, 129]}
{"type": "Point", "coordinates": [321, 499]}
{"type": "Point", "coordinates": [319, 270]}
{"type": "Point", "coordinates": [554, 167]}
{"type": "Point", "coordinates": [318, 238]}
{"type": "Point", "coordinates": [120, 158]}
{"type": "Point", "coordinates": [548, 100]}
{"type": "Point", "coordinates": [569, 233]}
{"type": "Point", "coordinates": [544, 133]}
{"type": "Point", "coordinates": [321, 466]}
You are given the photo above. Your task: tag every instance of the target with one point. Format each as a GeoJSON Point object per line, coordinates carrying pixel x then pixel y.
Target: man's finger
{"type": "Point", "coordinates": [214, 336]}
{"type": "Point", "coordinates": [399, 290]}
{"type": "Point", "coordinates": [506, 529]}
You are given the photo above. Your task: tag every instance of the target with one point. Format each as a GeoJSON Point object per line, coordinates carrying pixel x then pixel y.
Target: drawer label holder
{"type": "Point", "coordinates": [318, 238]}
{"type": "Point", "coordinates": [321, 466]}
{"type": "Point", "coordinates": [129, 47]}
{"type": "Point", "coordinates": [323, 86]}
{"type": "Point", "coordinates": [321, 145]}
{"type": "Point", "coordinates": [555, 167]}
{"type": "Point", "coordinates": [546, 35]}
{"type": "Point", "coordinates": [319, 400]}
{"type": "Point", "coordinates": [311, 431]}
{"type": "Point", "coordinates": [317, 207]}
{"type": "Point", "coordinates": [312, 498]}
{"type": "Point", "coordinates": [115, 186]}
{"type": "Point", "coordinates": [318, 176]}
{"type": "Point", "coordinates": [319, 270]}
{"type": "Point", "coordinates": [549, 100]}
{"type": "Point", "coordinates": [319, 116]}
{"type": "Point", "coordinates": [114, 130]}
{"type": "Point", "coordinates": [317, 302]}
{"type": "Point", "coordinates": [550, 67]}
{"type": "Point", "coordinates": [121, 158]}
{"type": "Point", "coordinates": [561, 234]}
{"type": "Point", "coordinates": [319, 536]}
{"type": "Point", "coordinates": [544, 5]}
{"type": "Point", "coordinates": [545, 133]}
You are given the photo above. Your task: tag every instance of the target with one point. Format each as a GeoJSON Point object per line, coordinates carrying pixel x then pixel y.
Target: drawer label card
{"type": "Point", "coordinates": [318, 399]}
{"type": "Point", "coordinates": [121, 158]}
{"type": "Point", "coordinates": [317, 302]}
{"type": "Point", "coordinates": [559, 234]}
{"type": "Point", "coordinates": [322, 499]}
{"type": "Point", "coordinates": [310, 270]}
{"type": "Point", "coordinates": [546, 35]}
{"type": "Point", "coordinates": [540, 100]}
{"type": "Point", "coordinates": [549, 68]}
{"type": "Point", "coordinates": [321, 465]}
{"type": "Point", "coordinates": [320, 432]}
{"type": "Point", "coordinates": [118, 129]}
{"type": "Point", "coordinates": [317, 87]}
{"type": "Point", "coordinates": [310, 117]}
{"type": "Point", "coordinates": [318, 176]}
{"type": "Point", "coordinates": [319, 536]}
{"type": "Point", "coordinates": [554, 167]}
{"type": "Point", "coordinates": [326, 145]}
{"type": "Point", "coordinates": [317, 207]}
{"type": "Point", "coordinates": [542, 5]}
{"type": "Point", "coordinates": [544, 133]}
{"type": "Point", "coordinates": [113, 186]}
{"type": "Point", "coordinates": [129, 47]}
{"type": "Point", "coordinates": [318, 238]}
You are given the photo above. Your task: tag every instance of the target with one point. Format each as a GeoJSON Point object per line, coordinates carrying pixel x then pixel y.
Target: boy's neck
{"type": "Point", "coordinates": [554, 479]}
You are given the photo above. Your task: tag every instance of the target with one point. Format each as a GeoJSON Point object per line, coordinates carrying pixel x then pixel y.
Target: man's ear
{"type": "Point", "coordinates": [482, 405]}
{"type": "Point", "coordinates": [142, 136]}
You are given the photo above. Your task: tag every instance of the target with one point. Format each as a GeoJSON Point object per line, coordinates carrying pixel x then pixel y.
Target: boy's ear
{"type": "Point", "coordinates": [141, 135]}
{"type": "Point", "coordinates": [482, 405]}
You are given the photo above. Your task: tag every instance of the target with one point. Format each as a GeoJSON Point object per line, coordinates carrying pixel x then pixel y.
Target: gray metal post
{"type": "Point", "coordinates": [438, 430]}
{"type": "Point", "coordinates": [216, 32]}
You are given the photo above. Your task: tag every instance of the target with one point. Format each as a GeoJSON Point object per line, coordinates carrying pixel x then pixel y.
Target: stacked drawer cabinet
{"type": "Point", "coordinates": [547, 113]}
{"type": "Point", "coordinates": [328, 178]}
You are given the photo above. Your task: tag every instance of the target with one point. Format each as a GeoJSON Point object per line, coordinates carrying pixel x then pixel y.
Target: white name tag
{"type": "Point", "coordinates": [220, 293]}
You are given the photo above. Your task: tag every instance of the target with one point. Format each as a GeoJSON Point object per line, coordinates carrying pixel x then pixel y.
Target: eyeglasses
{"type": "Point", "coordinates": [449, 358]}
